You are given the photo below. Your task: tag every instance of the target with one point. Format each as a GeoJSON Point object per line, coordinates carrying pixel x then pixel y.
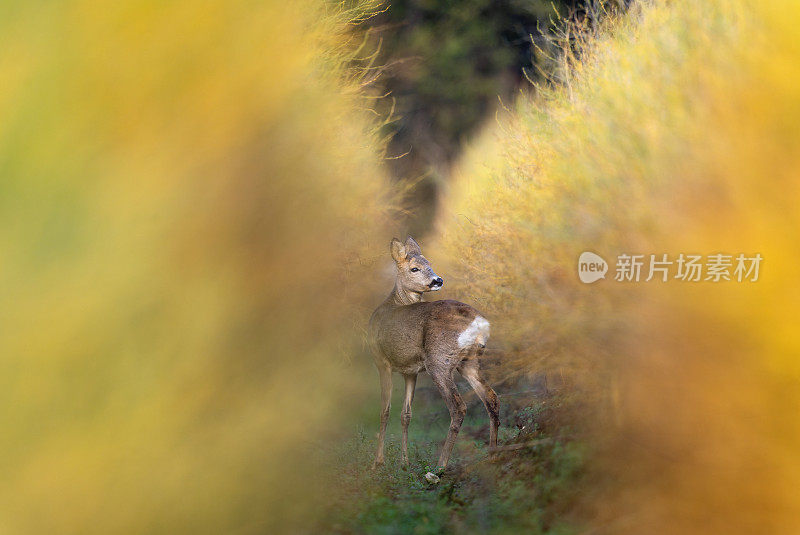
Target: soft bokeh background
{"type": "Point", "coordinates": [673, 131]}
{"type": "Point", "coordinates": [192, 200]}
{"type": "Point", "coordinates": [445, 65]}
{"type": "Point", "coordinates": [194, 216]}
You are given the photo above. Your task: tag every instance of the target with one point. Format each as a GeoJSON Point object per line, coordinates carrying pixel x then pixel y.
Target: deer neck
{"type": "Point", "coordinates": [401, 297]}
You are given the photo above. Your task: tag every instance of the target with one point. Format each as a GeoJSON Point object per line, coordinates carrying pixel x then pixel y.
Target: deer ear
{"type": "Point", "coordinates": [412, 247]}
{"type": "Point", "coordinates": [398, 250]}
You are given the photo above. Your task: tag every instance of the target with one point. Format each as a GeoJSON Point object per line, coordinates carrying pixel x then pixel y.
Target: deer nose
{"type": "Point", "coordinates": [437, 282]}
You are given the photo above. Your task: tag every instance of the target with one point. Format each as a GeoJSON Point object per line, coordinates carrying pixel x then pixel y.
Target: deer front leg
{"type": "Point", "coordinates": [405, 415]}
{"type": "Point", "coordinates": [386, 403]}
{"type": "Point", "coordinates": [447, 387]}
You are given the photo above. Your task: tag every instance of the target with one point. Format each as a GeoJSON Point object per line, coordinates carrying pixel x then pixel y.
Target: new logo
{"type": "Point", "coordinates": [591, 267]}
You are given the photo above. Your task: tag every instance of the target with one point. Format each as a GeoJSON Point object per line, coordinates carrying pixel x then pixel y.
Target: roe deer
{"type": "Point", "coordinates": [408, 335]}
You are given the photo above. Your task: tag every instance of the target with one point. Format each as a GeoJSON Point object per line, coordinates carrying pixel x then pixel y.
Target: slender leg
{"type": "Point", "coordinates": [470, 370]}
{"type": "Point", "coordinates": [386, 402]}
{"type": "Point", "coordinates": [447, 387]}
{"type": "Point", "coordinates": [405, 415]}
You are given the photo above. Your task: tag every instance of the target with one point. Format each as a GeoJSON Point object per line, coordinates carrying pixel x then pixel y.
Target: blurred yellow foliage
{"type": "Point", "coordinates": [190, 197]}
{"type": "Point", "coordinates": [677, 131]}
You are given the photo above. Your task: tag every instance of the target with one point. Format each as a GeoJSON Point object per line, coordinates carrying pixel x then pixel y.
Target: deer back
{"type": "Point", "coordinates": [405, 335]}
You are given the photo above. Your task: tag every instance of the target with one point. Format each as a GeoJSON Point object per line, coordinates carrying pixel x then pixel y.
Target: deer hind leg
{"type": "Point", "coordinates": [447, 387]}
{"type": "Point", "coordinates": [386, 403]}
{"type": "Point", "coordinates": [470, 370]}
{"type": "Point", "coordinates": [405, 415]}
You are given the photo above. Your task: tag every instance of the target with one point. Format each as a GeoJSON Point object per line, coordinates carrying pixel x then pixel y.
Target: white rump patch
{"type": "Point", "coordinates": [476, 333]}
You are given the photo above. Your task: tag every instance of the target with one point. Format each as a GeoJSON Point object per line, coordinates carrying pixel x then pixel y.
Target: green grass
{"type": "Point", "coordinates": [527, 490]}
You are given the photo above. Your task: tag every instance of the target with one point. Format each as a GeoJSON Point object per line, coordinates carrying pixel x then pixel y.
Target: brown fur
{"type": "Point", "coordinates": [409, 335]}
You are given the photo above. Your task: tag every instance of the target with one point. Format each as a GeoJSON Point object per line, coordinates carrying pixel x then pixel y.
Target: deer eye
{"type": "Point", "coordinates": [414, 270]}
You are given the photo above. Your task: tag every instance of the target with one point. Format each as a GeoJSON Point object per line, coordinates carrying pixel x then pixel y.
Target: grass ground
{"type": "Point", "coordinates": [528, 487]}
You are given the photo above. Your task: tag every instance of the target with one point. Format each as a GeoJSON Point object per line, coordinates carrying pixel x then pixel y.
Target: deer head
{"type": "Point", "coordinates": [414, 272]}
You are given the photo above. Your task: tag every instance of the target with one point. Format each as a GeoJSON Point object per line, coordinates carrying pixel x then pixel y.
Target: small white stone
{"type": "Point", "coordinates": [431, 478]}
